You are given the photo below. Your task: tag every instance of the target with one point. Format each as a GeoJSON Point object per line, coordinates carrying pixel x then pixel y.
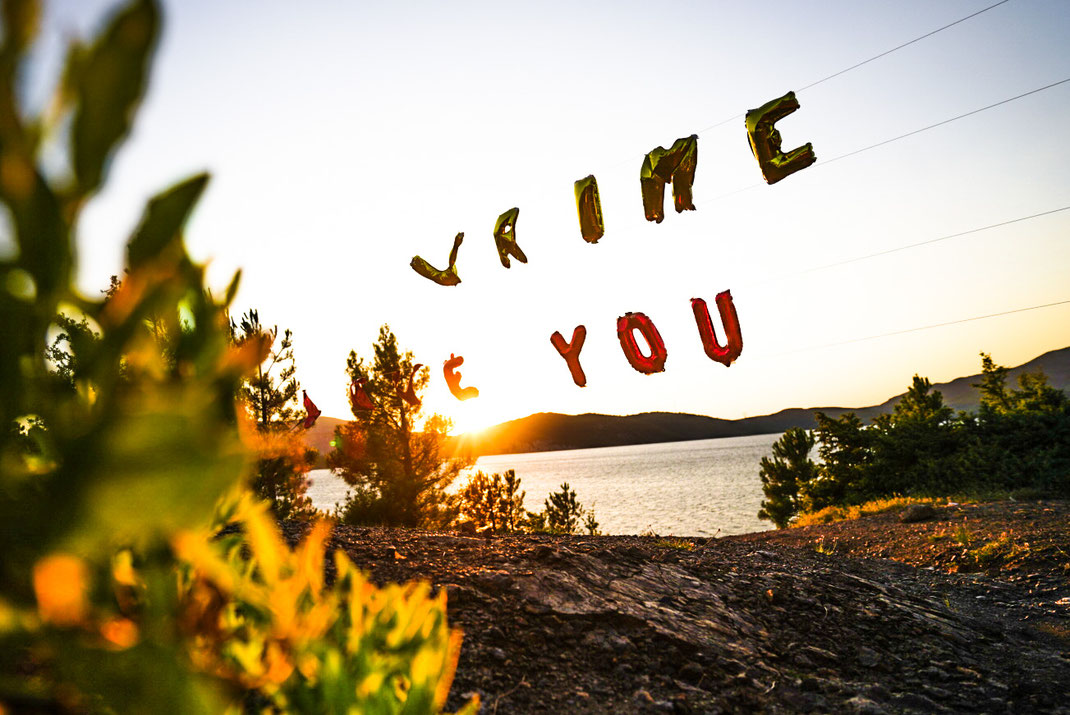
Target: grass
{"type": "Point", "coordinates": [843, 513]}
{"type": "Point", "coordinates": [675, 544]}
{"type": "Point", "coordinates": [998, 551]}
{"type": "Point", "coordinates": [832, 514]}
{"type": "Point", "coordinates": [821, 548]}
{"type": "Point", "coordinates": [962, 534]}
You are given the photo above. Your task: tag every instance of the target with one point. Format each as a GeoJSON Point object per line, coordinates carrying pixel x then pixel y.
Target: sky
{"type": "Point", "coordinates": [344, 138]}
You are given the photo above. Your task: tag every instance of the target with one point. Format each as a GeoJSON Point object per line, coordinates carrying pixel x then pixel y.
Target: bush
{"type": "Point", "coordinates": [493, 502]}
{"type": "Point", "coordinates": [1018, 442]}
{"type": "Point", "coordinates": [113, 460]}
{"type": "Point", "coordinates": [300, 645]}
{"type": "Point", "coordinates": [782, 475]}
{"type": "Point", "coordinates": [563, 513]}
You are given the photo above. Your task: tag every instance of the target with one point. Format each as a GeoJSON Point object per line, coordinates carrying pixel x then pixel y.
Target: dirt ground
{"type": "Point", "coordinates": [968, 611]}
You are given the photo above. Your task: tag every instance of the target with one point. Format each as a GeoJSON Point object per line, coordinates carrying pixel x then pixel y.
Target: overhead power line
{"type": "Point", "coordinates": [899, 47]}
{"type": "Point", "coordinates": [826, 162]}
{"type": "Point", "coordinates": [871, 59]}
{"type": "Point", "coordinates": [930, 241]}
{"type": "Point", "coordinates": [920, 328]}
{"type": "Point", "coordinates": [946, 121]}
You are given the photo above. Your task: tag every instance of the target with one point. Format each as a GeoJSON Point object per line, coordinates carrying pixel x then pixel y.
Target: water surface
{"type": "Point", "coordinates": [697, 488]}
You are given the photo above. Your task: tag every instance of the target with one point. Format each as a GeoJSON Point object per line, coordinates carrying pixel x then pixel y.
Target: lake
{"type": "Point", "coordinates": [697, 488]}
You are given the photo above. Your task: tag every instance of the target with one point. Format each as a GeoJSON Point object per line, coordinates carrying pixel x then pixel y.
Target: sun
{"type": "Point", "coordinates": [473, 416]}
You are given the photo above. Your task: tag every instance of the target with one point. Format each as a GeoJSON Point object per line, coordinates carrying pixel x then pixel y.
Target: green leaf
{"type": "Point", "coordinates": [148, 678]}
{"type": "Point", "coordinates": [20, 24]}
{"type": "Point", "coordinates": [160, 466]}
{"type": "Point", "coordinates": [232, 289]}
{"type": "Point", "coordinates": [110, 83]}
{"type": "Point", "coordinates": [162, 222]}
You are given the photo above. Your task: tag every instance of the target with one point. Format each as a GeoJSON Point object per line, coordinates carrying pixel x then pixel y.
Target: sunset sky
{"type": "Point", "coordinates": [344, 138]}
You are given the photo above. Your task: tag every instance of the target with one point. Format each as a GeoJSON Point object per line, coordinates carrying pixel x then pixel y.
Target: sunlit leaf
{"type": "Point", "coordinates": [61, 584]}
{"type": "Point", "coordinates": [232, 288]}
{"type": "Point", "coordinates": [159, 468]}
{"type": "Point", "coordinates": [110, 84]}
{"type": "Point", "coordinates": [163, 219]}
{"type": "Point", "coordinates": [145, 678]}
{"type": "Point", "coordinates": [20, 23]}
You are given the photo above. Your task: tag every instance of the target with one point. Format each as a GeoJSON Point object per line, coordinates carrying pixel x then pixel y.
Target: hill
{"type": "Point", "coordinates": [319, 437]}
{"type": "Point", "coordinates": [548, 431]}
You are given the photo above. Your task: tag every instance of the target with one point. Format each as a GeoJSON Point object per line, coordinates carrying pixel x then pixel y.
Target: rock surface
{"type": "Point", "coordinates": [917, 512]}
{"type": "Point", "coordinates": [759, 623]}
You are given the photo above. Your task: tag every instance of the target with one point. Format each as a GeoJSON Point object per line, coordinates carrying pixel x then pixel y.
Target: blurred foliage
{"type": "Point", "coordinates": [269, 622]}
{"type": "Point", "coordinates": [121, 434]}
{"type": "Point", "coordinates": [396, 460]}
{"type": "Point", "coordinates": [1018, 441]}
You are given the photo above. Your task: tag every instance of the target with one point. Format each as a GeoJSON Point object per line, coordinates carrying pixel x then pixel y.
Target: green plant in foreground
{"type": "Point", "coordinates": [994, 552]}
{"type": "Point", "coordinates": [822, 548]}
{"type": "Point", "coordinates": [304, 646]}
{"type": "Point", "coordinates": [112, 461]}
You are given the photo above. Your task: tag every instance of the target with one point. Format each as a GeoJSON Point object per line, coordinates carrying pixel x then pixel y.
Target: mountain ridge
{"type": "Point", "coordinates": [552, 431]}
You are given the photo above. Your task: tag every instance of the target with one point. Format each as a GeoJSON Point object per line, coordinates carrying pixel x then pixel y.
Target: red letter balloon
{"type": "Point", "coordinates": [626, 325]}
{"type": "Point", "coordinates": [571, 352]}
{"type": "Point", "coordinates": [714, 350]}
{"type": "Point", "coordinates": [453, 379]}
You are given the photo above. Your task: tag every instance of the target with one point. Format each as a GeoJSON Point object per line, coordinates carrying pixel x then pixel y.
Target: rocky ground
{"type": "Point", "coordinates": [967, 611]}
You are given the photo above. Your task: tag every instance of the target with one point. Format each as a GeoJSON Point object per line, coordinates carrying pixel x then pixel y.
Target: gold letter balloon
{"type": "Point", "coordinates": [765, 140]}
{"type": "Point", "coordinates": [446, 277]}
{"type": "Point", "coordinates": [661, 166]}
{"type": "Point", "coordinates": [505, 237]}
{"type": "Point", "coordinates": [589, 208]}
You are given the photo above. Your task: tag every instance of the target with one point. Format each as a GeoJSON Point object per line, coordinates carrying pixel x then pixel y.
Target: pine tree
{"type": "Point", "coordinates": [563, 511]}
{"type": "Point", "coordinates": [784, 474]}
{"type": "Point", "coordinates": [493, 502]}
{"type": "Point", "coordinates": [270, 398]}
{"type": "Point", "coordinates": [394, 457]}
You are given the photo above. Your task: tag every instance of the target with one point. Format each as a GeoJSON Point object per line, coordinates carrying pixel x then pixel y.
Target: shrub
{"type": "Point", "coordinates": [563, 512]}
{"type": "Point", "coordinates": [111, 462]}
{"type": "Point", "coordinates": [301, 645]}
{"type": "Point", "coordinates": [1017, 443]}
{"type": "Point", "coordinates": [782, 476]}
{"type": "Point", "coordinates": [493, 502]}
